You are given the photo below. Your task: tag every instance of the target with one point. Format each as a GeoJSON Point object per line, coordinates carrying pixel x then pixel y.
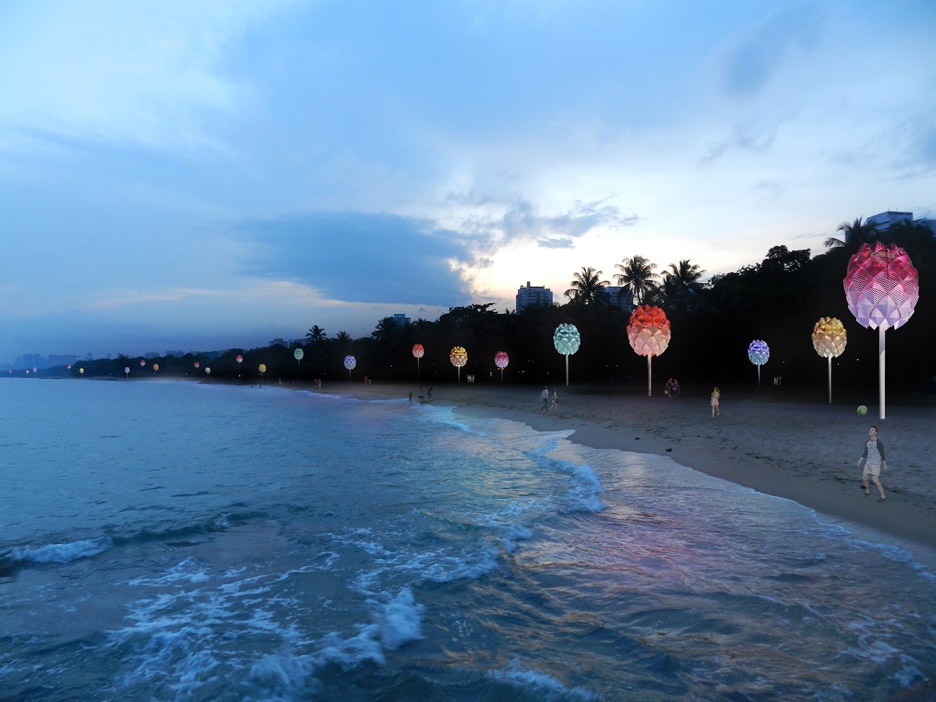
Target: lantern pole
{"type": "Point", "coordinates": [649, 375]}
{"type": "Point", "coordinates": [567, 370]}
{"type": "Point", "coordinates": [881, 331]}
{"type": "Point", "coordinates": [830, 378]}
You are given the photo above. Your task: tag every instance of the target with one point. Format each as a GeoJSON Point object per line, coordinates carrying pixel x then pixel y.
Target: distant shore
{"type": "Point", "coordinates": [777, 441]}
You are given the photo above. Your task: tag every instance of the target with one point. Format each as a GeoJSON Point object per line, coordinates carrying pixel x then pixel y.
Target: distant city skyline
{"type": "Point", "coordinates": [213, 175]}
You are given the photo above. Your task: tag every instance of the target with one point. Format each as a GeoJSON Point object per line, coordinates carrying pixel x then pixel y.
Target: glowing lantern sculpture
{"type": "Point", "coordinates": [418, 352]}
{"type": "Point", "coordinates": [350, 362]}
{"type": "Point", "coordinates": [567, 341]}
{"type": "Point", "coordinates": [207, 371]}
{"type": "Point", "coordinates": [197, 366]}
{"type": "Point", "coordinates": [882, 289]}
{"type": "Point", "coordinates": [239, 359]}
{"type": "Point", "coordinates": [758, 353]}
{"type": "Point", "coordinates": [127, 370]}
{"type": "Point", "coordinates": [298, 354]}
{"type": "Point", "coordinates": [142, 363]}
{"type": "Point", "coordinates": [649, 334]}
{"type": "Point", "coordinates": [829, 340]}
{"type": "Point", "coordinates": [155, 367]}
{"type": "Point", "coordinates": [459, 358]}
{"type": "Point", "coordinates": [501, 359]}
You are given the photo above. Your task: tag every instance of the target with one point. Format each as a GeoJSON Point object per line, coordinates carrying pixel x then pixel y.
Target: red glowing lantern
{"type": "Point", "coordinates": [882, 289]}
{"type": "Point", "coordinates": [418, 352]}
{"type": "Point", "coordinates": [649, 334]}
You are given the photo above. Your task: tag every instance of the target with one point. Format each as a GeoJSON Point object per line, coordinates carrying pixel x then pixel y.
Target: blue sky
{"type": "Point", "coordinates": [179, 175]}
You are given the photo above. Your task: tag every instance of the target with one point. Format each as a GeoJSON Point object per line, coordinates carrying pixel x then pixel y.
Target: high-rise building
{"type": "Point", "coordinates": [533, 295]}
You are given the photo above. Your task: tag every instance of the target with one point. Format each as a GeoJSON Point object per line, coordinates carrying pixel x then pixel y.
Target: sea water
{"type": "Point", "coordinates": [183, 541]}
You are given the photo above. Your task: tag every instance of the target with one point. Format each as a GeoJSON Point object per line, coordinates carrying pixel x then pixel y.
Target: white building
{"type": "Point", "coordinates": [533, 295]}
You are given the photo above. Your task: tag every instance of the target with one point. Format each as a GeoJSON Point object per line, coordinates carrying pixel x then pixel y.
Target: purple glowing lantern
{"type": "Point", "coordinates": [758, 353]}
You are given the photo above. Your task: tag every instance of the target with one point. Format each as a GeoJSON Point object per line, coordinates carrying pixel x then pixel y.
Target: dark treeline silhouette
{"type": "Point", "coordinates": [778, 300]}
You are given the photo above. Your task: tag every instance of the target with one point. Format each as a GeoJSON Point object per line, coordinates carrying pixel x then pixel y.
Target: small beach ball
{"type": "Point", "coordinates": [862, 409]}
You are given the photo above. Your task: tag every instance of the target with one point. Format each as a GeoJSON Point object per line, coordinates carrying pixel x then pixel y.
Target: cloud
{"type": "Point", "coordinates": [521, 222]}
{"type": "Point", "coordinates": [754, 54]}
{"type": "Point", "coordinates": [358, 257]}
{"type": "Point", "coordinates": [142, 73]}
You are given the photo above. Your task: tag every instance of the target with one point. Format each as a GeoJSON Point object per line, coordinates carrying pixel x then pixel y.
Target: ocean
{"type": "Point", "coordinates": [180, 541]}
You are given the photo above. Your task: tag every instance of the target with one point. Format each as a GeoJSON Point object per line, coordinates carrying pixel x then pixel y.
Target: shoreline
{"type": "Point", "coordinates": [780, 443]}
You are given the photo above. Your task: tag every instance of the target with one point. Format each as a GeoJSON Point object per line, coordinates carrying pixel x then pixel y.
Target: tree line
{"type": "Point", "coordinates": [778, 299]}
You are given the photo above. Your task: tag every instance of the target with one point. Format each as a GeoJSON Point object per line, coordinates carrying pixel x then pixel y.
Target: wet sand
{"type": "Point", "coordinates": [782, 442]}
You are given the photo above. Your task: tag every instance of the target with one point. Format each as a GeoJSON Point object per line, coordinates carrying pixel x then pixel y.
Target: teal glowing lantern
{"type": "Point", "coordinates": [567, 341]}
{"type": "Point", "coordinates": [298, 354]}
{"type": "Point", "coordinates": [758, 353]}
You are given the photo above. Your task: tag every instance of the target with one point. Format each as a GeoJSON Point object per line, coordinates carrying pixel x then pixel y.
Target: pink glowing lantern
{"type": "Point", "coordinates": [459, 358]}
{"type": "Point", "coordinates": [649, 334]}
{"type": "Point", "coordinates": [418, 352]}
{"type": "Point", "coordinates": [758, 353]}
{"type": "Point", "coordinates": [829, 340]}
{"type": "Point", "coordinates": [239, 359]}
{"type": "Point", "coordinates": [197, 366]}
{"type": "Point", "coordinates": [142, 363]}
{"type": "Point", "coordinates": [882, 289]}
{"type": "Point", "coordinates": [501, 359]}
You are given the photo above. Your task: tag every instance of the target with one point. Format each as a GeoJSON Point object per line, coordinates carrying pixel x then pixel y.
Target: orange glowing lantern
{"type": "Point", "coordinates": [649, 334]}
{"type": "Point", "coordinates": [459, 358]}
{"type": "Point", "coordinates": [829, 339]}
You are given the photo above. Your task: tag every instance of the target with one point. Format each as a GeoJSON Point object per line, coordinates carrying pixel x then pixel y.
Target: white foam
{"type": "Point", "coordinates": [546, 686]}
{"type": "Point", "coordinates": [401, 620]}
{"type": "Point", "coordinates": [63, 553]}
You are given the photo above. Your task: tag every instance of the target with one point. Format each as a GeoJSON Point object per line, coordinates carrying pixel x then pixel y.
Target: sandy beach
{"type": "Point", "coordinates": [777, 441]}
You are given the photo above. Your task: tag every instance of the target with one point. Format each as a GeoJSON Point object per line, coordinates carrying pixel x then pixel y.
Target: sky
{"type": "Point", "coordinates": [180, 175]}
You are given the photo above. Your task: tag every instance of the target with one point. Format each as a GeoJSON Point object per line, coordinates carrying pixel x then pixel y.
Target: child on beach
{"type": "Point", "coordinates": [872, 461]}
{"type": "Point", "coordinates": [716, 396]}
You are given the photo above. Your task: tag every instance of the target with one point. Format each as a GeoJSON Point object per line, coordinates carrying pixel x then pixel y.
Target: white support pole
{"type": "Point", "coordinates": [881, 365]}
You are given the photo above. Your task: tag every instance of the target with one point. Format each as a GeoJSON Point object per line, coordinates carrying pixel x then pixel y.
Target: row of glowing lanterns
{"type": "Point", "coordinates": [881, 288]}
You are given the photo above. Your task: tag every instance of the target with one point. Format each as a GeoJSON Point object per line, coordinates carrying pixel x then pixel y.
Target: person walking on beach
{"type": "Point", "coordinates": [716, 396]}
{"type": "Point", "coordinates": [555, 401]}
{"type": "Point", "coordinates": [544, 396]}
{"type": "Point", "coordinates": [872, 461]}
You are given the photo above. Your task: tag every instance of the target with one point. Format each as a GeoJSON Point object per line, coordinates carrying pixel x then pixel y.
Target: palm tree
{"type": "Point", "coordinates": [586, 286]}
{"type": "Point", "coordinates": [854, 234]}
{"type": "Point", "coordinates": [637, 276]}
{"type": "Point", "coordinates": [316, 334]}
{"type": "Point", "coordinates": [681, 286]}
{"type": "Point", "coordinates": [343, 338]}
